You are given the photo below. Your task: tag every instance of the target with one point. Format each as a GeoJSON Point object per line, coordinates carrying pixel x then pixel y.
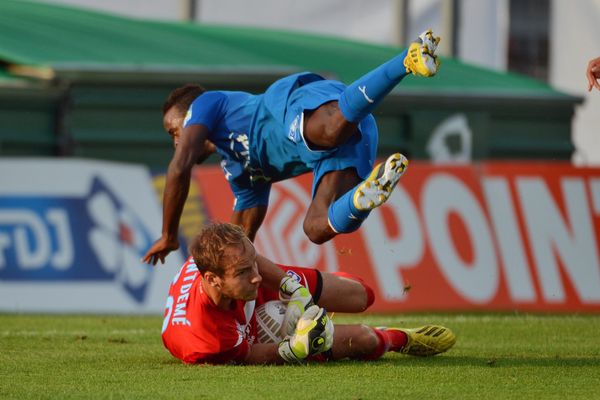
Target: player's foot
{"type": "Point", "coordinates": [427, 340]}
{"type": "Point", "coordinates": [421, 58]}
{"type": "Point", "coordinates": [377, 188]}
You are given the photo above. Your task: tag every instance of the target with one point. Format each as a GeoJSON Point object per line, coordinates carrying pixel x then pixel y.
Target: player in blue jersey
{"type": "Point", "coordinates": [302, 123]}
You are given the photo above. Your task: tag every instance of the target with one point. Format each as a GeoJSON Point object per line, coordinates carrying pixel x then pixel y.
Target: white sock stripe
{"type": "Point", "coordinates": [331, 226]}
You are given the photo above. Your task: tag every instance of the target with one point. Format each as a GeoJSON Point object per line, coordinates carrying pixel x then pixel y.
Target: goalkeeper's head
{"type": "Point", "coordinates": [227, 261]}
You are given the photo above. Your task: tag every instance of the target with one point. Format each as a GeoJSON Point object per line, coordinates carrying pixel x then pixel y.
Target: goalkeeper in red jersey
{"type": "Point", "coordinates": [210, 311]}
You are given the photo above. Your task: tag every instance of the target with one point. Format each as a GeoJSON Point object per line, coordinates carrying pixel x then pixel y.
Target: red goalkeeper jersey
{"type": "Point", "coordinates": [195, 330]}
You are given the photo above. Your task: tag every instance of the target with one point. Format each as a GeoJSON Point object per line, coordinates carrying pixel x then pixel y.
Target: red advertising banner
{"type": "Point", "coordinates": [491, 236]}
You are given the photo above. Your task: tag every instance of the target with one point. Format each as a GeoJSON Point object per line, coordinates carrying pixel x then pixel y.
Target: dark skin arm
{"type": "Point", "coordinates": [250, 220]}
{"type": "Point", "coordinates": [207, 151]}
{"type": "Point", "coordinates": [190, 149]}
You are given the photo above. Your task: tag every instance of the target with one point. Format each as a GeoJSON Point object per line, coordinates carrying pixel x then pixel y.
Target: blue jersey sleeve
{"type": "Point", "coordinates": [208, 109]}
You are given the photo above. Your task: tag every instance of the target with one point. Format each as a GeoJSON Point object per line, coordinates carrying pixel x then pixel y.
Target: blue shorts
{"type": "Point", "coordinates": [277, 145]}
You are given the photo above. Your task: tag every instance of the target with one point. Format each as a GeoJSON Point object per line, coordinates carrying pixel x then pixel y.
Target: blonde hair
{"type": "Point", "coordinates": [209, 246]}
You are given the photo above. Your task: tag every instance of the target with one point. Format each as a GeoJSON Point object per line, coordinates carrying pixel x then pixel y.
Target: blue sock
{"type": "Point", "coordinates": [343, 216]}
{"type": "Point", "coordinates": [362, 96]}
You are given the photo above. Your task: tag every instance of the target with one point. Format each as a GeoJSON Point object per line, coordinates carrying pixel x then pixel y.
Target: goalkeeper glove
{"type": "Point", "coordinates": [314, 335]}
{"type": "Point", "coordinates": [298, 300]}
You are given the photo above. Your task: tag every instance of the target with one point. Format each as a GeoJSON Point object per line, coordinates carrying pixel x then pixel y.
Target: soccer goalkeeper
{"type": "Point", "coordinates": [210, 316]}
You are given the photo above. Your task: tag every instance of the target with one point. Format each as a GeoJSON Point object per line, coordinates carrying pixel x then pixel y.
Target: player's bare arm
{"type": "Point", "coordinates": [188, 150]}
{"type": "Point", "coordinates": [593, 74]}
{"type": "Point", "coordinates": [250, 219]}
{"type": "Point", "coordinates": [264, 353]}
{"type": "Point", "coordinates": [271, 273]}
{"type": "Point", "coordinates": [208, 149]}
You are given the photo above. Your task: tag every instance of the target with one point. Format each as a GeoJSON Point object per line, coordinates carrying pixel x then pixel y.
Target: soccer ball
{"type": "Point", "coordinates": [269, 320]}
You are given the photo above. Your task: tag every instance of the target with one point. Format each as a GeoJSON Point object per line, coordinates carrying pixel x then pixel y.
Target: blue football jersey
{"type": "Point", "coordinates": [228, 116]}
{"type": "Point", "coordinates": [260, 138]}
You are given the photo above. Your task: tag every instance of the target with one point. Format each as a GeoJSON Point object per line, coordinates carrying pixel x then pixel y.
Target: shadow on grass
{"type": "Point", "coordinates": [491, 362]}
{"type": "Point", "coordinates": [443, 361]}
{"type": "Point", "coordinates": [520, 361]}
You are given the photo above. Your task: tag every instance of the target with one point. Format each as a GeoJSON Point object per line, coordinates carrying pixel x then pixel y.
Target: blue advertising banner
{"type": "Point", "coordinates": [69, 224]}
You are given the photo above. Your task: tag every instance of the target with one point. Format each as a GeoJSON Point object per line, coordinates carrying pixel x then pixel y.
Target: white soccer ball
{"type": "Point", "coordinates": [269, 319]}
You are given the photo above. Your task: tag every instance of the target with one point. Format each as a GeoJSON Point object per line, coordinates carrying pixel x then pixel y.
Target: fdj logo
{"type": "Point", "coordinates": [92, 238]}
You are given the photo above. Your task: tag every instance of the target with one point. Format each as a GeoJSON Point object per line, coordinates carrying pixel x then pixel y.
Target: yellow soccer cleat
{"type": "Point", "coordinates": [377, 188]}
{"type": "Point", "coordinates": [421, 59]}
{"type": "Point", "coordinates": [427, 340]}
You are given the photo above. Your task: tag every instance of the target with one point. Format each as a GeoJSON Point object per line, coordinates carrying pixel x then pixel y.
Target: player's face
{"type": "Point", "coordinates": [241, 279]}
{"type": "Point", "coordinates": [173, 124]}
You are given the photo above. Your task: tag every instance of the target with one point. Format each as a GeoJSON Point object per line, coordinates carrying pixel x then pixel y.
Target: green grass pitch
{"type": "Point", "coordinates": [503, 356]}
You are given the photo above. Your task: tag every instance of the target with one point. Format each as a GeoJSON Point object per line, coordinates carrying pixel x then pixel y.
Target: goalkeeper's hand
{"type": "Point", "coordinates": [298, 300]}
{"type": "Point", "coordinates": [314, 335]}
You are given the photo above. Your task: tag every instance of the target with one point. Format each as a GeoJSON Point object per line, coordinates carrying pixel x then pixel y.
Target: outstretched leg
{"type": "Point", "coordinates": [366, 343]}
{"type": "Point", "coordinates": [333, 123]}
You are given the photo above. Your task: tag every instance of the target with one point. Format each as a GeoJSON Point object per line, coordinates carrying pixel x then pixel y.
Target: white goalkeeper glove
{"type": "Point", "coordinates": [314, 335]}
{"type": "Point", "coordinates": [298, 300]}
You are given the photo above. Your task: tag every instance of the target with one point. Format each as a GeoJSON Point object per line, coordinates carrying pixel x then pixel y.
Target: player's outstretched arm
{"type": "Point", "coordinates": [190, 148]}
{"type": "Point", "coordinates": [593, 74]}
{"type": "Point", "coordinates": [271, 274]}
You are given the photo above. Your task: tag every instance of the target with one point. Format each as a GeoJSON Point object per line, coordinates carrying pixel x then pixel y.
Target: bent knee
{"type": "Point", "coordinates": [316, 237]}
{"type": "Point", "coordinates": [366, 295]}
{"type": "Point", "coordinates": [316, 233]}
{"type": "Point", "coordinates": [368, 338]}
